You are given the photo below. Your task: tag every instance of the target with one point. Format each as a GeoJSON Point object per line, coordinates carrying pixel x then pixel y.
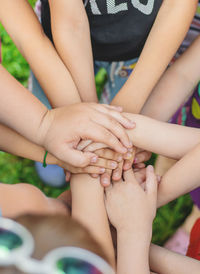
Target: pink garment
{"type": "Point", "coordinates": [178, 242]}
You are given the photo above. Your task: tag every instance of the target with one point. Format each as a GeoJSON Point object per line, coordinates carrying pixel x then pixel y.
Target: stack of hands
{"type": "Point", "coordinates": [81, 155]}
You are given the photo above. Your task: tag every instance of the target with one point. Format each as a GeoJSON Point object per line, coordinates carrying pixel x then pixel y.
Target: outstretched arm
{"type": "Point", "coordinates": [181, 178]}
{"type": "Point", "coordinates": [168, 31]}
{"type": "Point", "coordinates": [71, 33]}
{"type": "Point", "coordinates": [175, 86]}
{"type": "Point", "coordinates": [16, 144]}
{"type": "Point", "coordinates": [88, 208]}
{"type": "Point", "coordinates": [170, 140]}
{"type": "Point", "coordinates": [131, 210]}
{"type": "Point", "coordinates": [29, 37]}
{"type": "Point", "coordinates": [22, 199]}
{"type": "Point", "coordinates": [168, 262]}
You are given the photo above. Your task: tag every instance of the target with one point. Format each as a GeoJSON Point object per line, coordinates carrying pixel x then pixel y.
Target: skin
{"type": "Point", "coordinates": [176, 84]}
{"type": "Point", "coordinates": [27, 199]}
{"type": "Point", "coordinates": [69, 23]}
{"type": "Point", "coordinates": [171, 140]}
{"type": "Point", "coordinates": [14, 143]}
{"type": "Point", "coordinates": [45, 60]}
{"type": "Point", "coordinates": [47, 125]}
{"type": "Point", "coordinates": [176, 15]}
{"type": "Point", "coordinates": [89, 209]}
{"type": "Point", "coordinates": [134, 227]}
{"type": "Point", "coordinates": [165, 261]}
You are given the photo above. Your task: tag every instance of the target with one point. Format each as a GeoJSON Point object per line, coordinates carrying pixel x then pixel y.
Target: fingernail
{"type": "Point", "coordinates": [130, 149]}
{"type": "Point", "coordinates": [128, 155]}
{"type": "Point", "coordinates": [150, 168]}
{"type": "Point", "coordinates": [135, 160]}
{"type": "Point", "coordinates": [105, 181]}
{"type": "Point", "coordinates": [159, 178]}
{"type": "Point", "coordinates": [113, 164]}
{"type": "Point", "coordinates": [120, 108]}
{"type": "Point", "coordinates": [124, 150]}
{"type": "Point", "coordinates": [119, 158]}
{"type": "Point", "coordinates": [94, 159]}
{"type": "Point", "coordinates": [116, 176]}
{"type": "Point", "coordinates": [132, 123]}
{"type": "Point", "coordinates": [102, 170]}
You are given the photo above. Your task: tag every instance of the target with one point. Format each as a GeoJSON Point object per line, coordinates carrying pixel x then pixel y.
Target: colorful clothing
{"type": "Point", "coordinates": [189, 113]}
{"type": "Point", "coordinates": [194, 245]}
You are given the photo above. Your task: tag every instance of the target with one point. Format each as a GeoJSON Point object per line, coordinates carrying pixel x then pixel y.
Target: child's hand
{"type": "Point", "coordinates": [62, 129]}
{"type": "Point", "coordinates": [129, 206]}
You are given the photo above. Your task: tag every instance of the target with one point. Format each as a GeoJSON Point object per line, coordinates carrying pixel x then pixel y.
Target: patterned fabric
{"type": "Point", "coordinates": [189, 113]}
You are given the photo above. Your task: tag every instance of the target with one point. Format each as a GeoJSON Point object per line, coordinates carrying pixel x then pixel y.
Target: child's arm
{"type": "Point", "coordinates": [14, 143]}
{"type": "Point", "coordinates": [22, 25]}
{"type": "Point", "coordinates": [181, 178]}
{"type": "Point", "coordinates": [55, 129]}
{"type": "Point", "coordinates": [168, 262]}
{"type": "Point", "coordinates": [131, 210]}
{"type": "Point", "coordinates": [88, 208]}
{"type": "Point", "coordinates": [71, 33]}
{"type": "Point", "coordinates": [168, 31]}
{"type": "Point", "coordinates": [170, 140]}
{"type": "Point", "coordinates": [175, 85]}
{"type": "Point", "coordinates": [22, 199]}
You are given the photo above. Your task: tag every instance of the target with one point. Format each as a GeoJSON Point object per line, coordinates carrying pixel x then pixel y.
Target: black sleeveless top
{"type": "Point", "coordinates": [119, 28]}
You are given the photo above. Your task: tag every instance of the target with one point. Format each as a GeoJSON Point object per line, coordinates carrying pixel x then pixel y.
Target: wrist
{"type": "Point", "coordinates": [143, 231]}
{"type": "Point", "coordinates": [45, 124]}
{"type": "Point", "coordinates": [51, 160]}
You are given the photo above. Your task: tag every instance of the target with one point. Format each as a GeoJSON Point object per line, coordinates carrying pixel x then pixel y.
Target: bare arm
{"type": "Point", "coordinates": [131, 210]}
{"type": "Point", "coordinates": [168, 31]}
{"type": "Point", "coordinates": [181, 178]}
{"type": "Point", "coordinates": [170, 140]}
{"type": "Point", "coordinates": [19, 109]}
{"type": "Point", "coordinates": [22, 199]}
{"type": "Point", "coordinates": [168, 262]}
{"type": "Point", "coordinates": [29, 37]}
{"type": "Point", "coordinates": [88, 207]}
{"type": "Point", "coordinates": [71, 33]}
{"type": "Point", "coordinates": [175, 86]}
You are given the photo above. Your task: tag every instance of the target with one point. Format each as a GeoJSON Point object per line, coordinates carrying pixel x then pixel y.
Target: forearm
{"type": "Point", "coordinates": [23, 199]}
{"type": "Point", "coordinates": [40, 53]}
{"type": "Point", "coordinates": [16, 144]}
{"type": "Point", "coordinates": [19, 109]}
{"type": "Point", "coordinates": [181, 178]}
{"type": "Point", "coordinates": [71, 35]}
{"type": "Point", "coordinates": [168, 262]}
{"type": "Point", "coordinates": [152, 61]}
{"type": "Point", "coordinates": [175, 86]}
{"type": "Point", "coordinates": [133, 252]}
{"type": "Point", "coordinates": [88, 208]}
{"type": "Point", "coordinates": [170, 140]}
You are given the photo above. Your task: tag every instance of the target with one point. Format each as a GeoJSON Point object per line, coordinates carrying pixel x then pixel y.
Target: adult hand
{"type": "Point", "coordinates": [62, 129]}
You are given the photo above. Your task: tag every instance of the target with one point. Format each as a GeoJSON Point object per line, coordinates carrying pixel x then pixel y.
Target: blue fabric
{"type": "Point", "coordinates": [119, 77]}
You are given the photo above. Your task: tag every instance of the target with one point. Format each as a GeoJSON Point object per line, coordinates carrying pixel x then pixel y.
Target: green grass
{"type": "Point", "coordinates": [14, 169]}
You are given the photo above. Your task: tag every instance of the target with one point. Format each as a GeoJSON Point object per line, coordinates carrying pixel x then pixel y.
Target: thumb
{"type": "Point", "coordinates": [78, 158]}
